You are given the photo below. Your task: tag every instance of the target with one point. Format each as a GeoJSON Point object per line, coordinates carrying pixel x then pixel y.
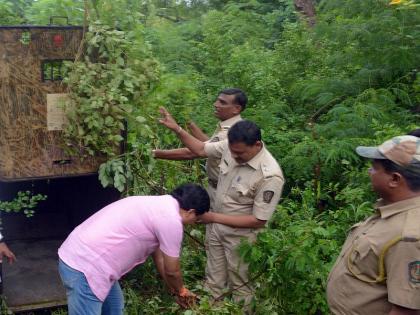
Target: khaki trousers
{"type": "Point", "coordinates": [212, 194]}
{"type": "Point", "coordinates": [225, 269]}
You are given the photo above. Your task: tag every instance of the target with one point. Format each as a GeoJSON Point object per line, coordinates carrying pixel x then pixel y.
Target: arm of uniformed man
{"type": "Point", "coordinates": [197, 132]}
{"type": "Point", "coordinates": [402, 266]}
{"type": "Point", "coordinates": [196, 146]}
{"type": "Point", "coordinates": [174, 154]}
{"type": "Point", "coordinates": [265, 202]}
{"type": "Point", "coordinates": [238, 221]}
{"type": "Point", "coordinates": [182, 153]}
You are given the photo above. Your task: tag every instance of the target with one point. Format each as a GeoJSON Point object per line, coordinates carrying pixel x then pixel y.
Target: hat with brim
{"type": "Point", "coordinates": [370, 153]}
{"type": "Point", "coordinates": [402, 150]}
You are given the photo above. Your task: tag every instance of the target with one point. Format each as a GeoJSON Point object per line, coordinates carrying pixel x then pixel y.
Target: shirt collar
{"type": "Point", "coordinates": [229, 122]}
{"type": "Point", "coordinates": [256, 160]}
{"type": "Point", "coordinates": [396, 207]}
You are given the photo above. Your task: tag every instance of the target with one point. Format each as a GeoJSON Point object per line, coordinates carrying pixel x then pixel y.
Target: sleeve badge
{"type": "Point", "coordinates": [414, 271]}
{"type": "Point", "coordinates": [215, 139]}
{"type": "Point", "coordinates": [268, 195]}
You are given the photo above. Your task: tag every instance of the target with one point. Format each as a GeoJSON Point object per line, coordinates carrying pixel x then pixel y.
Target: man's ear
{"type": "Point", "coordinates": [396, 180]}
{"type": "Point", "coordinates": [238, 109]}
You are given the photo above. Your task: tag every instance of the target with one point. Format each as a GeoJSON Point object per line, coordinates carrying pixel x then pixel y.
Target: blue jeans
{"type": "Point", "coordinates": [80, 298]}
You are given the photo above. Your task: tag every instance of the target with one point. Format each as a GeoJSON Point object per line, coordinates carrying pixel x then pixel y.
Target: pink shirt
{"type": "Point", "coordinates": [120, 236]}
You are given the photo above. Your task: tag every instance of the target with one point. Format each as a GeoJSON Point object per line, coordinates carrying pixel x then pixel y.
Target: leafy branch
{"type": "Point", "coordinates": [25, 201]}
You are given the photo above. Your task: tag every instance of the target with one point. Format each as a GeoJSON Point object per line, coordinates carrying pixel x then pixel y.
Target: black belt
{"type": "Point", "coordinates": [213, 183]}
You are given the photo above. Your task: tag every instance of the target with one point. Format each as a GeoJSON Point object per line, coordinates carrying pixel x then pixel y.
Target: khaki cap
{"type": "Point", "coordinates": [402, 150]}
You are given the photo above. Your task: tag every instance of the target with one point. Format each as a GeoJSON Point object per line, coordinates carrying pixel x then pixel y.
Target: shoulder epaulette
{"type": "Point", "coordinates": [411, 230]}
{"type": "Point", "coordinates": [270, 170]}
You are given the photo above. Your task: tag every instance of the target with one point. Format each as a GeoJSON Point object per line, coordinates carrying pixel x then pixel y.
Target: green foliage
{"type": "Point", "coordinates": [4, 310]}
{"type": "Point", "coordinates": [40, 12]}
{"type": "Point", "coordinates": [105, 88]}
{"type": "Point", "coordinates": [114, 173]}
{"type": "Point", "coordinates": [145, 293]}
{"type": "Point", "coordinates": [293, 257]}
{"type": "Point", "coordinates": [8, 15]}
{"type": "Point", "coordinates": [25, 201]}
{"type": "Point", "coordinates": [59, 311]}
{"type": "Point", "coordinates": [316, 93]}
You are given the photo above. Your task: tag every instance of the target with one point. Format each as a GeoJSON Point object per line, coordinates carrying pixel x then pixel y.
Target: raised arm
{"type": "Point", "coordinates": [196, 146]}
{"type": "Point", "coordinates": [197, 132]}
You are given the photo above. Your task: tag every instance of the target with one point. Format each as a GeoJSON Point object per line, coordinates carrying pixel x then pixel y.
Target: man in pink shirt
{"type": "Point", "coordinates": [122, 235]}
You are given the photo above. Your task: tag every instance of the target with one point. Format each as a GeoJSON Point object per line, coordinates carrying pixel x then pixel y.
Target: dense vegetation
{"type": "Point", "coordinates": [317, 92]}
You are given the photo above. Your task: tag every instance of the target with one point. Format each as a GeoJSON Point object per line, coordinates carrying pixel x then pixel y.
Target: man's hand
{"type": "Point", "coordinates": [5, 251]}
{"type": "Point", "coordinates": [186, 299]}
{"type": "Point", "coordinates": [167, 120]}
{"type": "Point", "coordinates": [194, 145]}
{"type": "Point", "coordinates": [207, 217]}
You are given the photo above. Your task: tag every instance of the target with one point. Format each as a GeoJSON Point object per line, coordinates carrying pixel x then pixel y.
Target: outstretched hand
{"type": "Point", "coordinates": [167, 120]}
{"type": "Point", "coordinates": [5, 251]}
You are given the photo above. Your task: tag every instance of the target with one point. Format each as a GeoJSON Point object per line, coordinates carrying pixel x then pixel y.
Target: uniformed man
{"type": "Point", "coordinates": [227, 108]}
{"type": "Point", "coordinates": [248, 189]}
{"type": "Point", "coordinates": [378, 270]}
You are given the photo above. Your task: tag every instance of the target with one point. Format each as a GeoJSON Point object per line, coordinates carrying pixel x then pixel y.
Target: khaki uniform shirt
{"type": "Point", "coordinates": [252, 188]}
{"type": "Point", "coordinates": [212, 164]}
{"type": "Point", "coordinates": [347, 294]}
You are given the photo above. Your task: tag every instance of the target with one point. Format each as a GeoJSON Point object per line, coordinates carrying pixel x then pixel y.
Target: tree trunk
{"type": "Point", "coordinates": [307, 9]}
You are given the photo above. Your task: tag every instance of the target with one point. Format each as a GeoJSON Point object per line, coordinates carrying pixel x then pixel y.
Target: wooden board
{"type": "Point", "coordinates": [31, 145]}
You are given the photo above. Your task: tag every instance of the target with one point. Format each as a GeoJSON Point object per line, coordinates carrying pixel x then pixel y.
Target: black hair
{"type": "Point", "coordinates": [192, 196]}
{"type": "Point", "coordinates": [415, 133]}
{"type": "Point", "coordinates": [412, 178]}
{"type": "Point", "coordinates": [244, 131]}
{"type": "Point", "coordinates": [240, 97]}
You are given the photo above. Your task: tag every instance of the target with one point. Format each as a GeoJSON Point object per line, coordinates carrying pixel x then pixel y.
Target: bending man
{"type": "Point", "coordinates": [122, 235]}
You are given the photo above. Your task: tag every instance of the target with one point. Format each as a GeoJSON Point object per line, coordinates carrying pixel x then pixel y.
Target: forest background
{"type": "Point", "coordinates": [320, 82]}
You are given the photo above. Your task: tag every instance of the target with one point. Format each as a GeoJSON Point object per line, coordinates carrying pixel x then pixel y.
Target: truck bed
{"type": "Point", "coordinates": [33, 281]}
